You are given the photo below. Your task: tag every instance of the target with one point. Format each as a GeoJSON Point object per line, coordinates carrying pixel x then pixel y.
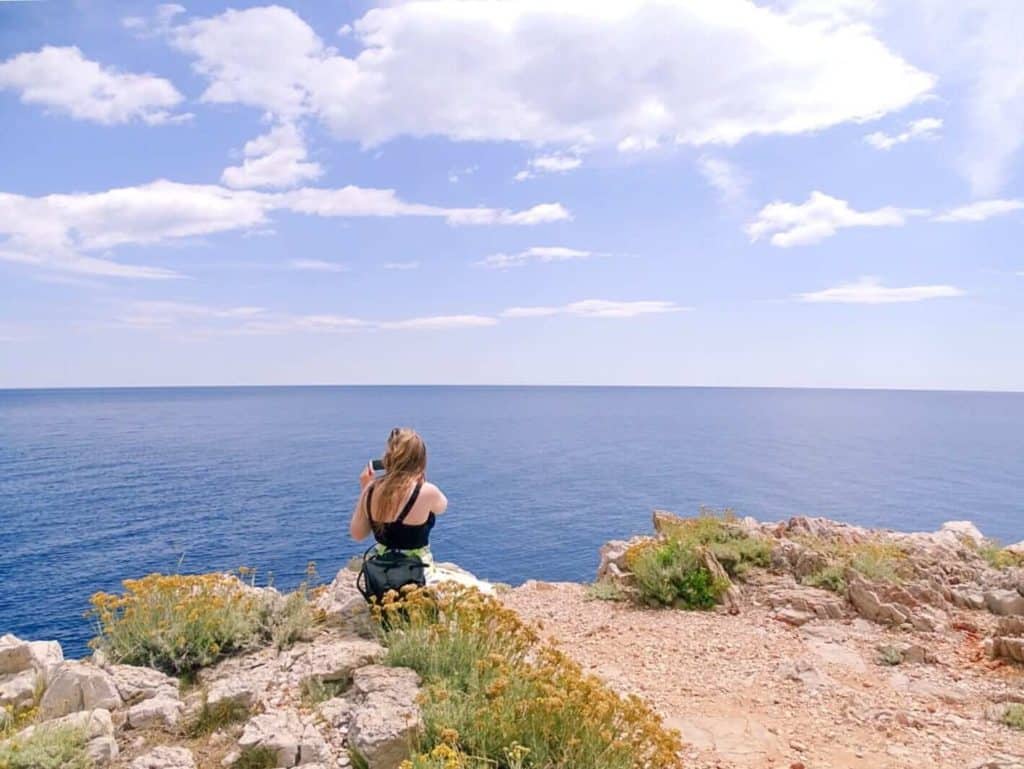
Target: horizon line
{"type": "Point", "coordinates": [838, 388]}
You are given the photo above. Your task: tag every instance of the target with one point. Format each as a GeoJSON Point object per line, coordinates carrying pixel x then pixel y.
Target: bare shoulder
{"type": "Point", "coordinates": [435, 497]}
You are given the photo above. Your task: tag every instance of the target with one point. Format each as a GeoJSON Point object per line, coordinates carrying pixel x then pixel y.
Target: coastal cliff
{"type": "Point", "coordinates": [823, 645]}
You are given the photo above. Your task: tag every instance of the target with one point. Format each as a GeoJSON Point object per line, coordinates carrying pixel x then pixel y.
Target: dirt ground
{"type": "Point", "coordinates": [751, 691]}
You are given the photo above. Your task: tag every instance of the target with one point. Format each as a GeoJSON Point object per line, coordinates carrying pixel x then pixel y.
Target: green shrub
{"type": "Point", "coordinates": [1013, 716]}
{"type": "Point", "coordinates": [48, 747]}
{"type": "Point", "coordinates": [313, 691]}
{"type": "Point", "coordinates": [256, 758]}
{"type": "Point", "coordinates": [829, 578]}
{"type": "Point", "coordinates": [672, 573]}
{"type": "Point", "coordinates": [890, 655]}
{"type": "Point", "coordinates": [997, 556]}
{"type": "Point", "coordinates": [211, 718]}
{"type": "Point", "coordinates": [495, 695]}
{"type": "Point", "coordinates": [181, 623]}
{"type": "Point", "coordinates": [874, 559]}
{"type": "Point", "coordinates": [604, 590]}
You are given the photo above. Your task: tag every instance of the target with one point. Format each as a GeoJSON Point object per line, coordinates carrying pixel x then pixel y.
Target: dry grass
{"type": "Point", "coordinates": [494, 692]}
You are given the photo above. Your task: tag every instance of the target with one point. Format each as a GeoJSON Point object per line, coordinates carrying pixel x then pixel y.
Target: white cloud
{"type": "Point", "coordinates": [317, 265]}
{"type": "Point", "coordinates": [401, 265]}
{"type": "Point", "coordinates": [819, 218]}
{"type": "Point", "coordinates": [478, 70]}
{"type": "Point", "coordinates": [276, 159]}
{"type": "Point", "coordinates": [534, 254]}
{"type": "Point", "coordinates": [869, 290]}
{"type": "Point", "coordinates": [58, 231]}
{"type": "Point", "coordinates": [925, 128]}
{"type": "Point", "coordinates": [457, 174]}
{"type": "Point", "coordinates": [980, 211]}
{"type": "Point", "coordinates": [549, 164]}
{"type": "Point", "coordinates": [63, 80]}
{"type": "Point", "coordinates": [597, 308]}
{"type": "Point", "coordinates": [441, 322]}
{"type": "Point", "coordinates": [158, 24]}
{"type": "Point", "coordinates": [974, 46]}
{"type": "Point", "coordinates": [726, 178]}
{"type": "Point", "coordinates": [637, 144]}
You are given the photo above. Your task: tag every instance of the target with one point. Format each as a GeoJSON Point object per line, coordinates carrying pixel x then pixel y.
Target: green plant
{"type": "Point", "coordinates": [291, 621]}
{"type": "Point", "coordinates": [604, 590]}
{"type": "Point", "coordinates": [672, 572]}
{"type": "Point", "coordinates": [211, 718]}
{"type": "Point", "coordinates": [313, 691]}
{"type": "Point", "coordinates": [494, 695]}
{"type": "Point", "coordinates": [48, 747]}
{"type": "Point", "coordinates": [829, 578]}
{"type": "Point", "coordinates": [181, 623]}
{"type": "Point", "coordinates": [256, 758]}
{"type": "Point", "coordinates": [875, 559]}
{"type": "Point", "coordinates": [1013, 716]}
{"type": "Point", "coordinates": [357, 760]}
{"type": "Point", "coordinates": [889, 655]}
{"type": "Point", "coordinates": [997, 556]}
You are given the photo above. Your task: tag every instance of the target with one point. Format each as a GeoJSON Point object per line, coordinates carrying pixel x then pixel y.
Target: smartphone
{"type": "Point", "coordinates": [377, 465]}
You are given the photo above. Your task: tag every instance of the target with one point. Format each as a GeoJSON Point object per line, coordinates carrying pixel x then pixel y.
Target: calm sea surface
{"type": "Point", "coordinates": [99, 485]}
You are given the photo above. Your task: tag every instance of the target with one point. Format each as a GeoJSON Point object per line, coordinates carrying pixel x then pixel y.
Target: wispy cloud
{"type": "Point", "coordinates": [597, 308]}
{"type": "Point", "coordinates": [455, 175]}
{"type": "Point", "coordinates": [924, 129]}
{"type": "Point", "coordinates": [502, 261]}
{"type": "Point", "coordinates": [869, 290]}
{"type": "Point", "coordinates": [61, 232]}
{"type": "Point", "coordinates": [558, 163]}
{"type": "Point", "coordinates": [317, 265]}
{"type": "Point", "coordinates": [413, 265]}
{"type": "Point", "coordinates": [980, 211]}
{"type": "Point", "coordinates": [819, 218]}
{"type": "Point", "coordinates": [728, 181]}
{"type": "Point", "coordinates": [441, 322]}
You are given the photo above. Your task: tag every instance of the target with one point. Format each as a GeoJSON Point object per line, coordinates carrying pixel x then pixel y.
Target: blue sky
{"type": "Point", "coordinates": [673, 193]}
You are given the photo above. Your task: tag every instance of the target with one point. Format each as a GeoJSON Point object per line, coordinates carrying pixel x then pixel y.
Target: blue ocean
{"type": "Point", "coordinates": [100, 485]}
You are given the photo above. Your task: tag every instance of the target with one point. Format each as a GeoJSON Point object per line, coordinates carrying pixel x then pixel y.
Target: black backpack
{"type": "Point", "coordinates": [390, 570]}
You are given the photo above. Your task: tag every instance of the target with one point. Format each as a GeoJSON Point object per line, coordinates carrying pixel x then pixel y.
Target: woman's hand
{"type": "Point", "coordinates": [366, 477]}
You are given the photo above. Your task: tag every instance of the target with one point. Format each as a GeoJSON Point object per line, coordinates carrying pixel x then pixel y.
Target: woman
{"type": "Point", "coordinates": [400, 508]}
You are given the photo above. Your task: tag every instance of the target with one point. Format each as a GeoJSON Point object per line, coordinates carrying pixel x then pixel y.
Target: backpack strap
{"type": "Point", "coordinates": [410, 503]}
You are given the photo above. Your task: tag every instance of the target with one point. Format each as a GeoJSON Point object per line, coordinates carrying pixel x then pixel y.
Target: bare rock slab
{"type": "Point", "coordinates": [165, 757]}
{"type": "Point", "coordinates": [77, 686]}
{"type": "Point", "coordinates": [385, 719]}
{"type": "Point", "coordinates": [161, 712]}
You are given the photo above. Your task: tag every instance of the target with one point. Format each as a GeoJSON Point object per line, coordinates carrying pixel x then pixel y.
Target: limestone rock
{"type": "Point", "coordinates": [18, 690]}
{"type": "Point", "coordinates": [283, 732]}
{"type": "Point", "coordinates": [161, 712]}
{"type": "Point", "coordinates": [344, 606]}
{"type": "Point", "coordinates": [232, 691]}
{"type": "Point", "coordinates": [1005, 602]}
{"type": "Point", "coordinates": [385, 718]}
{"type": "Point", "coordinates": [17, 656]}
{"type": "Point", "coordinates": [802, 671]}
{"type": "Point", "coordinates": [731, 596]}
{"type": "Point", "coordinates": [135, 684]}
{"type": "Point", "coordinates": [886, 604]}
{"type": "Point", "coordinates": [165, 757]}
{"type": "Point", "coordinates": [77, 686]}
{"type": "Point", "coordinates": [336, 712]}
{"type": "Point", "coordinates": [807, 601]}
{"type": "Point", "coordinates": [335, 661]}
{"type": "Point", "coordinates": [964, 531]}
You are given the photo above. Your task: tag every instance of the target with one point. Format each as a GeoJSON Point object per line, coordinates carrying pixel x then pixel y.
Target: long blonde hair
{"type": "Point", "coordinates": [405, 462]}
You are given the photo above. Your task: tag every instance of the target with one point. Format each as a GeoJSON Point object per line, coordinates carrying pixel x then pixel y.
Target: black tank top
{"type": "Point", "coordinates": [397, 534]}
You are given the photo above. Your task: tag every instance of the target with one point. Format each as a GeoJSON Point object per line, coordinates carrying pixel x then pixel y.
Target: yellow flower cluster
{"type": "Point", "coordinates": [495, 695]}
{"type": "Point", "coordinates": [181, 622]}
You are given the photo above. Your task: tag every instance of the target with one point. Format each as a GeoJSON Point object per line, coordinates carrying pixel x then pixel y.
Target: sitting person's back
{"type": "Point", "coordinates": [400, 508]}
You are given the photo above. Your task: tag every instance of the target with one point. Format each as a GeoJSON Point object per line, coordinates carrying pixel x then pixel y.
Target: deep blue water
{"type": "Point", "coordinates": [99, 485]}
